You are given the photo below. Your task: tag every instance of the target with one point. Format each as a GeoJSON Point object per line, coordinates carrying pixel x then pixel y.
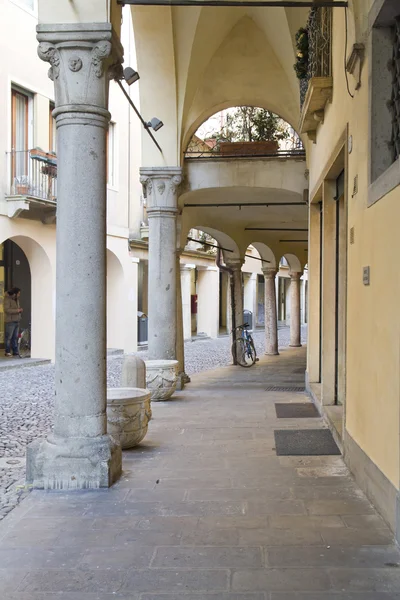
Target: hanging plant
{"type": "Point", "coordinates": [301, 66]}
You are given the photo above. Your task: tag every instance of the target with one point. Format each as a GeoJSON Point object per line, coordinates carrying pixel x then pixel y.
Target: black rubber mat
{"type": "Point", "coordinates": [305, 442]}
{"type": "Point", "coordinates": [277, 388]}
{"type": "Point", "coordinates": [296, 410]}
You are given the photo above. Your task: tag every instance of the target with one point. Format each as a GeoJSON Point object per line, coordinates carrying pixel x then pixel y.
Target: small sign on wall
{"type": "Point", "coordinates": [366, 275]}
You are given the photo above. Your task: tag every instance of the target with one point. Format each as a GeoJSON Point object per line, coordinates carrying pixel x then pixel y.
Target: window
{"type": "Point", "coordinates": [52, 130]}
{"type": "Point", "coordinates": [384, 93]}
{"type": "Point", "coordinates": [110, 150]}
{"type": "Point", "coordinates": [20, 132]}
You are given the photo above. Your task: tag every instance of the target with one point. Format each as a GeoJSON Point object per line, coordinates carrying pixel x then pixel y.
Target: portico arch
{"type": "Point", "coordinates": [42, 316]}
{"type": "Point", "coordinates": [116, 302]}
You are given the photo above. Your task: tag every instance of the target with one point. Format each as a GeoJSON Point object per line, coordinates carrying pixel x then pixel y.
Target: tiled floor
{"type": "Point", "coordinates": [207, 511]}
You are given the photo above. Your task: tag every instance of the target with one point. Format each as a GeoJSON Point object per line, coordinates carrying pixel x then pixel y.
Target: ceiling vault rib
{"type": "Point", "coordinates": [253, 3]}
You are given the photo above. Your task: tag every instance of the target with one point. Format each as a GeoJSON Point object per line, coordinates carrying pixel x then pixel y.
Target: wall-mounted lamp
{"type": "Point", "coordinates": [130, 75]}
{"type": "Point", "coordinates": [155, 124]}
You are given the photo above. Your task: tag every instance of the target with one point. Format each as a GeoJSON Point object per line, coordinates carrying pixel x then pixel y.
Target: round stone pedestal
{"type": "Point", "coordinates": [128, 415]}
{"type": "Point", "coordinates": [161, 378]}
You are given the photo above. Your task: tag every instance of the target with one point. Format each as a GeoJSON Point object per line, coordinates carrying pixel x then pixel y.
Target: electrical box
{"type": "Point", "coordinates": [366, 276]}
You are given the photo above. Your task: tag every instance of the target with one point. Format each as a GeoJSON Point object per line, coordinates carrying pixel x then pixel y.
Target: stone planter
{"type": "Point", "coordinates": [128, 414]}
{"type": "Point", "coordinates": [161, 378]}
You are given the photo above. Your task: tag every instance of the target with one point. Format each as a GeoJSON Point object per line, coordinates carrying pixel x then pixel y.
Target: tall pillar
{"type": "Point", "coordinates": [208, 301]}
{"type": "Point", "coordinates": [79, 453]}
{"type": "Point", "coordinates": [186, 286]}
{"type": "Point", "coordinates": [180, 342]}
{"type": "Point", "coordinates": [160, 187]}
{"type": "Point", "coordinates": [295, 329]}
{"type": "Point", "coordinates": [271, 319]}
{"type": "Point", "coordinates": [236, 267]}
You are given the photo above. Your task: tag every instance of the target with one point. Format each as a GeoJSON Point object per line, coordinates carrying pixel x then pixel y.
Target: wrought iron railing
{"type": "Point", "coordinates": [394, 103]}
{"type": "Point", "coordinates": [33, 174]}
{"type": "Point", "coordinates": [241, 150]}
{"type": "Point", "coordinates": [319, 28]}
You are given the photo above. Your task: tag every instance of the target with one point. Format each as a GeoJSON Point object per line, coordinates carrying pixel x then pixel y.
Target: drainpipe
{"type": "Point", "coordinates": [223, 268]}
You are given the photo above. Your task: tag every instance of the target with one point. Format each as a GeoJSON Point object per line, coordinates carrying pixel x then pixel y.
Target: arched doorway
{"type": "Point", "coordinates": [25, 264]}
{"type": "Point", "coordinates": [15, 272]}
{"type": "Point", "coordinates": [116, 303]}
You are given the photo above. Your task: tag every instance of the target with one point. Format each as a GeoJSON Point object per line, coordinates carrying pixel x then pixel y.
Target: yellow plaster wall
{"type": "Point", "coordinates": [373, 317]}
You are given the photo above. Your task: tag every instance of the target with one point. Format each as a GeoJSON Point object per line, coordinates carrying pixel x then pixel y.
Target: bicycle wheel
{"type": "Point", "coordinates": [245, 352]}
{"type": "Point", "coordinates": [24, 345]}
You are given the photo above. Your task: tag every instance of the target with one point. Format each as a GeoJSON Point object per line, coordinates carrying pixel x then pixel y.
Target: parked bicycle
{"type": "Point", "coordinates": [243, 347]}
{"type": "Point", "coordinates": [24, 343]}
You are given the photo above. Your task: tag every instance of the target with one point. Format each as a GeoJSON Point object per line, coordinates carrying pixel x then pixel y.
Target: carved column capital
{"type": "Point", "coordinates": [160, 188]}
{"type": "Point", "coordinates": [269, 272]}
{"type": "Point", "coordinates": [295, 276]}
{"type": "Point", "coordinates": [234, 263]}
{"type": "Point", "coordinates": [83, 57]}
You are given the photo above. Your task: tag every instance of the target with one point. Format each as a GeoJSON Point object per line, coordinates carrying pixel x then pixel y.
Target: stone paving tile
{"type": "Point", "coordinates": [333, 556]}
{"type": "Point", "coordinates": [146, 538]}
{"type": "Point", "coordinates": [240, 494]}
{"type": "Point", "coordinates": [176, 580]}
{"type": "Point", "coordinates": [353, 537]}
{"type": "Point", "coordinates": [360, 521]}
{"type": "Point", "coordinates": [203, 557]}
{"type": "Point", "coordinates": [366, 580]}
{"type": "Point", "coordinates": [215, 537]}
{"type": "Point", "coordinates": [45, 558]}
{"type": "Point", "coordinates": [72, 596]}
{"type": "Point", "coordinates": [305, 522]}
{"type": "Point", "coordinates": [9, 580]}
{"type": "Point", "coordinates": [340, 507]}
{"type": "Point", "coordinates": [273, 507]}
{"type": "Point", "coordinates": [67, 580]}
{"type": "Point", "coordinates": [280, 537]}
{"type": "Point", "coordinates": [126, 556]}
{"type": "Point", "coordinates": [175, 509]}
{"type": "Point", "coordinates": [269, 580]}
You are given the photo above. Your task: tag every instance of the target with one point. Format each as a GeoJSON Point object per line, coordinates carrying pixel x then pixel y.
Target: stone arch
{"type": "Point", "coordinates": [266, 254]}
{"type": "Point", "coordinates": [213, 110]}
{"type": "Point", "coordinates": [228, 244]}
{"type": "Point", "coordinates": [115, 302]}
{"type": "Point", "coordinates": [42, 296]}
{"type": "Point", "coordinates": [294, 263]}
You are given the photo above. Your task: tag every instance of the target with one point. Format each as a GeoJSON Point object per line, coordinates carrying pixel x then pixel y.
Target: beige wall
{"type": "Point", "coordinates": [373, 319]}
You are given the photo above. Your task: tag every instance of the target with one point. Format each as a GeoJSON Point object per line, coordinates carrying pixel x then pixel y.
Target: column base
{"type": "Point", "coordinates": [73, 463]}
{"type": "Point", "coordinates": [271, 353]}
{"type": "Point", "coordinates": [182, 380]}
{"type": "Point", "coordinates": [295, 345]}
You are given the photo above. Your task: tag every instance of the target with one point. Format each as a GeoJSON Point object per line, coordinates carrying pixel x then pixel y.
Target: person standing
{"type": "Point", "coordinates": [12, 313]}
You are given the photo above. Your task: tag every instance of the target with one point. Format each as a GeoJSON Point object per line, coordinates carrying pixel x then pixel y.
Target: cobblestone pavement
{"type": "Point", "coordinates": [206, 510]}
{"type": "Point", "coordinates": [26, 404]}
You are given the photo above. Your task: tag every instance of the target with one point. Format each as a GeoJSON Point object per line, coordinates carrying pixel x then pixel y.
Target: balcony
{"type": "Point", "coordinates": [316, 89]}
{"type": "Point", "coordinates": [33, 184]}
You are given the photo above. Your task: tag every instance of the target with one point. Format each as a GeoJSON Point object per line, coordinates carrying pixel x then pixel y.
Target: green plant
{"type": "Point", "coordinates": [252, 124]}
{"type": "Point", "coordinates": [301, 65]}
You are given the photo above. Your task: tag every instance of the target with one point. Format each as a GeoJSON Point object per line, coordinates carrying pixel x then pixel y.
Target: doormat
{"type": "Point", "coordinates": [296, 410]}
{"type": "Point", "coordinates": [277, 388]}
{"type": "Point", "coordinates": [305, 442]}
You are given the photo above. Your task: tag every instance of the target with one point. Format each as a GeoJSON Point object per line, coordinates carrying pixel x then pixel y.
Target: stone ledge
{"type": "Point", "coordinates": [318, 94]}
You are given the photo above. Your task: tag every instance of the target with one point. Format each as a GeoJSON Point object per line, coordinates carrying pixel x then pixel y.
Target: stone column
{"type": "Point", "coordinates": [180, 342]}
{"type": "Point", "coordinates": [186, 286]}
{"type": "Point", "coordinates": [79, 453]}
{"type": "Point", "coordinates": [208, 301]}
{"type": "Point", "coordinates": [271, 320]}
{"type": "Point", "coordinates": [295, 330]}
{"type": "Point", "coordinates": [236, 266]}
{"type": "Point", "coordinates": [160, 186]}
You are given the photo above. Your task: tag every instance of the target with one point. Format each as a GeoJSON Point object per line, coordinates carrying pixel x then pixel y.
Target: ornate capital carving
{"type": "Point", "coordinates": [49, 53]}
{"type": "Point", "coordinates": [160, 188]}
{"type": "Point", "coordinates": [234, 263]}
{"type": "Point", "coordinates": [80, 56]}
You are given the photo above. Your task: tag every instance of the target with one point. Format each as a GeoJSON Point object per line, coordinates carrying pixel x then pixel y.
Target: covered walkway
{"type": "Point", "coordinates": [205, 510]}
